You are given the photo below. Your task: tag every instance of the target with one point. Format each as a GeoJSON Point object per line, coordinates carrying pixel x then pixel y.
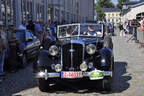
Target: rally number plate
{"type": "Point", "coordinates": [71, 75]}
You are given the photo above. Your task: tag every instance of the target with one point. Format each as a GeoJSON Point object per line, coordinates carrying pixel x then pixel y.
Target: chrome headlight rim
{"type": "Point", "coordinates": [91, 49]}
{"type": "Point", "coordinates": [53, 50]}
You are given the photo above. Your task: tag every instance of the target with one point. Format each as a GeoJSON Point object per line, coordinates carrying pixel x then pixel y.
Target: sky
{"type": "Point", "coordinates": [115, 1]}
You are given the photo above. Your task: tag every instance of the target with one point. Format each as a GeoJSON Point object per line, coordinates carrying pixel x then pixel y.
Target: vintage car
{"type": "Point", "coordinates": [29, 46]}
{"type": "Point", "coordinates": [80, 52]}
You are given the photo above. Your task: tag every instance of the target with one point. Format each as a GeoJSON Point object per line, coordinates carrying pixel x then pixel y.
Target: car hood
{"type": "Point", "coordinates": [80, 40]}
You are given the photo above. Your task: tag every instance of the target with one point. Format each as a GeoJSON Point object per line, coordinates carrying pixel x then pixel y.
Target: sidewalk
{"type": "Point", "coordinates": [133, 56]}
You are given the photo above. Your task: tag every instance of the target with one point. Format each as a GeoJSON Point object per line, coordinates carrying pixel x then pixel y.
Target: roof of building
{"type": "Point", "coordinates": [111, 9]}
{"type": "Point", "coordinates": [133, 2]}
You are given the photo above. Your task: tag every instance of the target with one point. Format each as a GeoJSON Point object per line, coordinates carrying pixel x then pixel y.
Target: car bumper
{"type": "Point", "coordinates": [46, 75]}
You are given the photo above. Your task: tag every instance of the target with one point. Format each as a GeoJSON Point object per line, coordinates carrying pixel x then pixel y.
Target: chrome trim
{"type": "Point", "coordinates": [72, 68]}
{"type": "Point", "coordinates": [107, 73]}
{"type": "Point", "coordinates": [71, 50]}
{"type": "Point", "coordinates": [61, 56]}
{"type": "Point", "coordinates": [47, 75]}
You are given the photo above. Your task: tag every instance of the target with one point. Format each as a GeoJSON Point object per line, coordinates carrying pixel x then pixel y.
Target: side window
{"type": "Point", "coordinates": [28, 35]}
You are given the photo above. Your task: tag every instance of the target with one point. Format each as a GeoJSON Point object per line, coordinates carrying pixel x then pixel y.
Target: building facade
{"type": "Point", "coordinates": [47, 10]}
{"type": "Point", "coordinates": [133, 10]}
{"type": "Point", "coordinates": [112, 15]}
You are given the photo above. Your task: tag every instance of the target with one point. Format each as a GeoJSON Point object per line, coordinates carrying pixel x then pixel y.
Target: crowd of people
{"type": "Point", "coordinates": [130, 27]}
{"type": "Point", "coordinates": [10, 45]}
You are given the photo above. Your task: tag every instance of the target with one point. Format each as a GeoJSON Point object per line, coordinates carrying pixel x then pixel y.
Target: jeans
{"type": "Point", "coordinates": [2, 57]}
{"type": "Point", "coordinates": [122, 33]}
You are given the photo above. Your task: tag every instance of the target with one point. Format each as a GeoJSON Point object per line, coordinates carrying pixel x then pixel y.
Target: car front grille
{"type": "Point", "coordinates": [77, 56]}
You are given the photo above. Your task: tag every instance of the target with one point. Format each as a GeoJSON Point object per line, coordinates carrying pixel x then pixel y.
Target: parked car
{"type": "Point", "coordinates": [79, 53]}
{"type": "Point", "coordinates": [29, 46]}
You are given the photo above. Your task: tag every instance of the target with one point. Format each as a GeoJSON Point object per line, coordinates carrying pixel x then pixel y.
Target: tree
{"type": "Point", "coordinates": [100, 13]}
{"type": "Point", "coordinates": [105, 3]}
{"type": "Point", "coordinates": [119, 5]}
{"type": "Point", "coordinates": [102, 4]}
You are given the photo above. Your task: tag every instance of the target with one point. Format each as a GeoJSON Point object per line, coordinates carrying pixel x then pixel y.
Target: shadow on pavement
{"type": "Point", "coordinates": [17, 82]}
{"type": "Point", "coordinates": [24, 80]}
{"type": "Point", "coordinates": [121, 79]}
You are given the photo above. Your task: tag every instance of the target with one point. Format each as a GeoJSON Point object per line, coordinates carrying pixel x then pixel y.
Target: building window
{"type": "Point", "coordinates": [117, 14]}
{"type": "Point", "coordinates": [112, 14]}
{"type": "Point", "coordinates": [109, 14]}
{"type": "Point", "coordinates": [56, 12]}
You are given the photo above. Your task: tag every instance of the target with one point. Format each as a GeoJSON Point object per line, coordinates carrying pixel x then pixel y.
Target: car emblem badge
{"type": "Point", "coordinates": [71, 50]}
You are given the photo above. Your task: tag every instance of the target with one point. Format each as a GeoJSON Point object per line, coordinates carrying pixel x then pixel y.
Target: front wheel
{"type": "Point", "coordinates": [24, 61]}
{"type": "Point", "coordinates": [44, 85]}
{"type": "Point", "coordinates": [106, 83]}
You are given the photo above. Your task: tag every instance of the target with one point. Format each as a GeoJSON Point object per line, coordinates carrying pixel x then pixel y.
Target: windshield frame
{"type": "Point", "coordinates": [79, 30]}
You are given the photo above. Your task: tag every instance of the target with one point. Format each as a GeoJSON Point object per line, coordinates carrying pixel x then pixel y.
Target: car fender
{"type": "Point", "coordinates": [106, 54]}
{"type": "Point", "coordinates": [44, 58]}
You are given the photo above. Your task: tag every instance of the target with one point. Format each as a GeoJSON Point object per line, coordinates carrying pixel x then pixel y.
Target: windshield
{"type": "Point", "coordinates": [71, 30]}
{"type": "Point", "coordinates": [91, 30]}
{"type": "Point", "coordinates": [68, 31]}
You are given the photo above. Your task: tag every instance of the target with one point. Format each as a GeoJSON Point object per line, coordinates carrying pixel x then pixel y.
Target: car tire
{"type": "Point", "coordinates": [43, 85]}
{"type": "Point", "coordinates": [23, 61]}
{"type": "Point", "coordinates": [106, 84]}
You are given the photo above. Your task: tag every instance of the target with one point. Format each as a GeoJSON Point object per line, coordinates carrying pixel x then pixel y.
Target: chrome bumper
{"type": "Point", "coordinates": [47, 75]}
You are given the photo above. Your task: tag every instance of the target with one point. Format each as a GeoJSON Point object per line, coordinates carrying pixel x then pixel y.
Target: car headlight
{"type": "Point", "coordinates": [53, 50]}
{"type": "Point", "coordinates": [91, 49]}
{"type": "Point", "coordinates": [83, 66]}
{"type": "Point", "coordinates": [58, 67]}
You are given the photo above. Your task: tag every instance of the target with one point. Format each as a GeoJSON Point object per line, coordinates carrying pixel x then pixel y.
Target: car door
{"type": "Point", "coordinates": [32, 45]}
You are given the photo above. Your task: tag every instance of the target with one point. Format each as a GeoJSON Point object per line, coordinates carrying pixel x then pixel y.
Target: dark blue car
{"type": "Point", "coordinates": [29, 46]}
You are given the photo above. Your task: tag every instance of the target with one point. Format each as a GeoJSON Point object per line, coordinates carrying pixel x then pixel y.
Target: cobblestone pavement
{"type": "Point", "coordinates": [128, 81]}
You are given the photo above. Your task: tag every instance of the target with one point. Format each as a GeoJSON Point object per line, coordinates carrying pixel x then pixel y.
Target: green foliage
{"type": "Point", "coordinates": [100, 13]}
{"type": "Point", "coordinates": [105, 3]}
{"type": "Point", "coordinates": [102, 4]}
{"type": "Point", "coordinates": [119, 5]}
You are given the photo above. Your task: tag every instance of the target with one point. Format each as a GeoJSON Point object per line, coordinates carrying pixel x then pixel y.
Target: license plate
{"type": "Point", "coordinates": [71, 74]}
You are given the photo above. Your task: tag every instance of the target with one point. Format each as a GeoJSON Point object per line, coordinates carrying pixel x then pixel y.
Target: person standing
{"type": "Point", "coordinates": [12, 52]}
{"type": "Point", "coordinates": [122, 33]}
{"type": "Point", "coordinates": [38, 30]}
{"type": "Point", "coordinates": [135, 25]}
{"type": "Point", "coordinates": [31, 27]}
{"type": "Point", "coordinates": [142, 24]}
{"type": "Point", "coordinates": [2, 52]}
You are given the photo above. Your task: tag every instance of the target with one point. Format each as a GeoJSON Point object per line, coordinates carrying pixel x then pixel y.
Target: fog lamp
{"type": "Point", "coordinates": [83, 66]}
{"type": "Point", "coordinates": [58, 67]}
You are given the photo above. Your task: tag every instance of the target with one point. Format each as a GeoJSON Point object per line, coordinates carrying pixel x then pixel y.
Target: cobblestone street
{"type": "Point", "coordinates": [128, 80]}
